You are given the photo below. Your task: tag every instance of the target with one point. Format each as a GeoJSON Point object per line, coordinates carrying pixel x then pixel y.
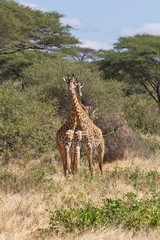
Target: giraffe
{"type": "Point", "coordinates": [88, 134]}
{"type": "Point", "coordinates": [67, 136]}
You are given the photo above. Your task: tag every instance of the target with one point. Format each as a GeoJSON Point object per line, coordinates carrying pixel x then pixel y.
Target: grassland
{"type": "Point", "coordinates": [37, 202]}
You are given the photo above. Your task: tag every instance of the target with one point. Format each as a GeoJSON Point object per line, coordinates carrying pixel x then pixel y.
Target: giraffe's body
{"type": "Point", "coordinates": [79, 131]}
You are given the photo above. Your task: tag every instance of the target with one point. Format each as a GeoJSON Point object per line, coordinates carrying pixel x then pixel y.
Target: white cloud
{"type": "Point", "coordinates": [95, 45]}
{"type": "Point", "coordinates": [148, 28]}
{"type": "Point", "coordinates": [78, 24]}
{"type": "Point", "coordinates": [31, 5]}
{"type": "Point", "coordinates": [82, 26]}
{"type": "Point", "coordinates": [73, 22]}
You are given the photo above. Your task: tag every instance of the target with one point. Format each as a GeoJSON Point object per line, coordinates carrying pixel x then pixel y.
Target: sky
{"type": "Point", "coordinates": [100, 23]}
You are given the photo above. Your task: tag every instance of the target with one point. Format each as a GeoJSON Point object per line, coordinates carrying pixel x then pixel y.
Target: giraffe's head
{"type": "Point", "coordinates": [73, 84]}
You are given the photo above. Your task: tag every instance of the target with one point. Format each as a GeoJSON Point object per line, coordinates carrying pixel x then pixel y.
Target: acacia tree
{"type": "Point", "coordinates": [24, 28]}
{"type": "Point", "coordinates": [81, 54]}
{"type": "Point", "coordinates": [137, 60]}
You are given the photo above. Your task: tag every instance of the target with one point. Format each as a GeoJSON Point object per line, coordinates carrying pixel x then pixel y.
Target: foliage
{"type": "Point", "coordinates": [26, 28]}
{"type": "Point", "coordinates": [12, 66]}
{"type": "Point", "coordinates": [27, 126]}
{"type": "Point", "coordinates": [129, 212]}
{"type": "Point", "coordinates": [141, 113]}
{"type": "Point", "coordinates": [80, 54]}
{"type": "Point", "coordinates": [136, 60]}
{"type": "Point", "coordinates": [27, 32]}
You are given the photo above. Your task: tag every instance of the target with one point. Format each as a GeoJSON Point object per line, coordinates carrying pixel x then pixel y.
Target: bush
{"type": "Point", "coordinates": [129, 212]}
{"type": "Point", "coordinates": [27, 125]}
{"type": "Point", "coordinates": [141, 113]}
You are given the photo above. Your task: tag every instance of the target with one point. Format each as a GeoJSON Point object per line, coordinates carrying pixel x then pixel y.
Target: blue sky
{"type": "Point", "coordinates": [99, 24]}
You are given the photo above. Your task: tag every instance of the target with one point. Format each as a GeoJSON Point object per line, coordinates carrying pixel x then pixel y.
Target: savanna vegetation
{"type": "Point", "coordinates": [121, 92]}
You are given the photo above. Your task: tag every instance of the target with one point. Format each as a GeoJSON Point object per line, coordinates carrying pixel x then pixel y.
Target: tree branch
{"type": "Point", "coordinates": [150, 92]}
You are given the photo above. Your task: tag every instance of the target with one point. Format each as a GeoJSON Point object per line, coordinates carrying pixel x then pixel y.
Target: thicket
{"type": "Point", "coordinates": [142, 113]}
{"type": "Point", "coordinates": [27, 125]}
{"type": "Point", "coordinates": [36, 104]}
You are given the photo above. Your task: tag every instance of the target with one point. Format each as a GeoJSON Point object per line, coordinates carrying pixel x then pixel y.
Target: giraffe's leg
{"type": "Point", "coordinates": [74, 160]}
{"type": "Point", "coordinates": [68, 160]}
{"type": "Point", "coordinates": [77, 147]}
{"type": "Point", "coordinates": [65, 155]}
{"type": "Point", "coordinates": [62, 154]}
{"type": "Point", "coordinates": [93, 156]}
{"type": "Point", "coordinates": [77, 158]}
{"type": "Point", "coordinates": [89, 153]}
{"type": "Point", "coordinates": [100, 155]}
{"type": "Point", "coordinates": [72, 155]}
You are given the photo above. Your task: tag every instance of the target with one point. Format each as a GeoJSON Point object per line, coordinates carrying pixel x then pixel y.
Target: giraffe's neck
{"type": "Point", "coordinates": [82, 116]}
{"type": "Point", "coordinates": [71, 121]}
{"type": "Point", "coordinates": [76, 106]}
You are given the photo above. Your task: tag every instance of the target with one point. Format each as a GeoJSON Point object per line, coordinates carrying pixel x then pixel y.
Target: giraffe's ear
{"type": "Point", "coordinates": [64, 79]}
{"type": "Point", "coordinates": [82, 85]}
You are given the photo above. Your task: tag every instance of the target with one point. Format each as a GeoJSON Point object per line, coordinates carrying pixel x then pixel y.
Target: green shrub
{"type": "Point", "coordinates": [129, 212]}
{"type": "Point", "coordinates": [27, 125]}
{"type": "Point", "coordinates": [141, 113]}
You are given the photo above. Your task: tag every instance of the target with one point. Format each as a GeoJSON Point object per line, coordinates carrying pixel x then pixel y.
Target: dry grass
{"type": "Point", "coordinates": [119, 234]}
{"type": "Point", "coordinates": [24, 211]}
{"type": "Point", "coordinates": [21, 215]}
